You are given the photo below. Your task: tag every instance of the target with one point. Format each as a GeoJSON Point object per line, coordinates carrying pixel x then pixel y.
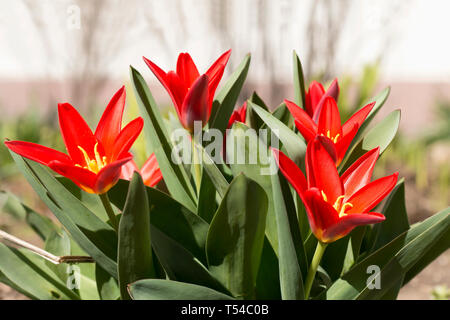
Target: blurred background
{"type": "Point", "coordinates": [79, 51]}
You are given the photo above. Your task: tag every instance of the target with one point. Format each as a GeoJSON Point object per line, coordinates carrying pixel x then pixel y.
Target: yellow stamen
{"type": "Point", "coordinates": [93, 165]}
{"type": "Point", "coordinates": [338, 205]}
{"type": "Point", "coordinates": [328, 135]}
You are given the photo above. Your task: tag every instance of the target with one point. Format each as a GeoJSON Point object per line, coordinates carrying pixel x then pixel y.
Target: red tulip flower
{"type": "Point", "coordinates": [192, 94]}
{"type": "Point", "coordinates": [238, 115]}
{"type": "Point", "coordinates": [94, 160]}
{"type": "Point", "coordinates": [335, 205]}
{"type": "Point", "coordinates": [315, 97]}
{"type": "Point", "coordinates": [328, 124]}
{"type": "Point", "coordinates": [150, 172]}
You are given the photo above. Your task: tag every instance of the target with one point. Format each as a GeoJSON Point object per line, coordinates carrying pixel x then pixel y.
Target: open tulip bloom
{"type": "Point", "coordinates": [150, 172]}
{"type": "Point", "coordinates": [326, 122]}
{"type": "Point", "coordinates": [192, 94]}
{"type": "Point", "coordinates": [335, 205]}
{"type": "Point", "coordinates": [315, 97]}
{"type": "Point", "coordinates": [94, 161]}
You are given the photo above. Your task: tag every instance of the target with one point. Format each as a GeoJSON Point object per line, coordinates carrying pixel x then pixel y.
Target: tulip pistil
{"type": "Point", "coordinates": [94, 165]}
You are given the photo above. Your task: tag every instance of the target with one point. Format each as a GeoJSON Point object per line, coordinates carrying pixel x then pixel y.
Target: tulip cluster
{"type": "Point", "coordinates": [200, 215]}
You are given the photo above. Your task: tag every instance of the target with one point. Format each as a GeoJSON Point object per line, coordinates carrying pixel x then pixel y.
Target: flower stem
{"type": "Point", "coordinates": [109, 210]}
{"type": "Point", "coordinates": [318, 254]}
{"type": "Point", "coordinates": [197, 168]}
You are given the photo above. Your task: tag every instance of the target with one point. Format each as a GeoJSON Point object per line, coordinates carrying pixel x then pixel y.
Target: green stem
{"type": "Point", "coordinates": [197, 167]}
{"type": "Point", "coordinates": [318, 254]}
{"type": "Point", "coordinates": [109, 210]}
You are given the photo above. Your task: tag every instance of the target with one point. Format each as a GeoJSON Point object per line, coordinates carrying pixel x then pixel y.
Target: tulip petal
{"type": "Point", "coordinates": [169, 82]}
{"type": "Point", "coordinates": [313, 97]}
{"type": "Point", "coordinates": [289, 169]}
{"type": "Point", "coordinates": [323, 169]}
{"type": "Point", "coordinates": [186, 69]}
{"type": "Point", "coordinates": [76, 133]}
{"type": "Point", "coordinates": [343, 144]}
{"type": "Point", "coordinates": [347, 223]}
{"type": "Point", "coordinates": [151, 174]}
{"type": "Point", "coordinates": [126, 138]}
{"type": "Point", "coordinates": [329, 120]}
{"type": "Point", "coordinates": [108, 176]}
{"type": "Point", "coordinates": [321, 214]}
{"type": "Point", "coordinates": [128, 169]}
{"type": "Point", "coordinates": [303, 121]}
{"type": "Point", "coordinates": [177, 89]}
{"type": "Point", "coordinates": [332, 91]}
{"type": "Point", "coordinates": [238, 115]}
{"type": "Point", "coordinates": [360, 172]}
{"type": "Point", "coordinates": [108, 127]}
{"type": "Point", "coordinates": [358, 118]}
{"type": "Point", "coordinates": [195, 105]}
{"type": "Point", "coordinates": [80, 176]}
{"type": "Point", "coordinates": [371, 194]}
{"type": "Point", "coordinates": [218, 65]}
{"type": "Point", "coordinates": [37, 153]}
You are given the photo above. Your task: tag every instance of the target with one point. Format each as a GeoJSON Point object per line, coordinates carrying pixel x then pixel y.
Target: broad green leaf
{"type": "Point", "coordinates": [236, 236]}
{"type": "Point", "coordinates": [134, 256]}
{"type": "Point", "coordinates": [207, 198]}
{"type": "Point", "coordinates": [107, 286]}
{"type": "Point", "coordinates": [29, 272]}
{"type": "Point", "coordinates": [291, 279]}
{"type": "Point", "coordinates": [268, 280]}
{"type": "Point", "coordinates": [396, 218]}
{"type": "Point", "coordinates": [394, 260]}
{"type": "Point", "coordinates": [170, 217]}
{"type": "Point", "coordinates": [380, 135]}
{"type": "Point", "coordinates": [227, 96]}
{"type": "Point", "coordinates": [94, 236]}
{"type": "Point", "coordinates": [294, 145]}
{"type": "Point", "coordinates": [248, 153]}
{"type": "Point", "coordinates": [180, 264]}
{"type": "Point", "coordinates": [174, 174]}
{"type": "Point", "coordinates": [383, 133]}
{"type": "Point", "coordinates": [299, 81]}
{"type": "Point", "coordinates": [155, 289]}
{"type": "Point", "coordinates": [334, 257]}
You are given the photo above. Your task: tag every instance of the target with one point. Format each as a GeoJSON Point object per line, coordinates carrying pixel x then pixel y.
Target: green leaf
{"type": "Point", "coordinates": [268, 280]}
{"type": "Point", "coordinates": [396, 218]}
{"type": "Point", "coordinates": [58, 243]}
{"type": "Point", "coordinates": [294, 145]}
{"type": "Point", "coordinates": [220, 183]}
{"type": "Point", "coordinates": [394, 260]}
{"type": "Point", "coordinates": [180, 264]}
{"type": "Point", "coordinates": [207, 198]}
{"type": "Point", "coordinates": [155, 289]}
{"type": "Point", "coordinates": [248, 153]}
{"type": "Point", "coordinates": [379, 100]}
{"type": "Point", "coordinates": [291, 279]}
{"type": "Point", "coordinates": [94, 236]}
{"type": "Point", "coordinates": [107, 286]}
{"type": "Point", "coordinates": [170, 217]}
{"type": "Point", "coordinates": [134, 256]}
{"type": "Point", "coordinates": [227, 96]}
{"type": "Point", "coordinates": [29, 272]}
{"type": "Point", "coordinates": [175, 176]}
{"type": "Point", "coordinates": [299, 82]}
{"type": "Point", "coordinates": [236, 236]}
{"type": "Point", "coordinates": [379, 136]}
{"type": "Point", "coordinates": [253, 120]}
{"type": "Point", "coordinates": [40, 224]}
